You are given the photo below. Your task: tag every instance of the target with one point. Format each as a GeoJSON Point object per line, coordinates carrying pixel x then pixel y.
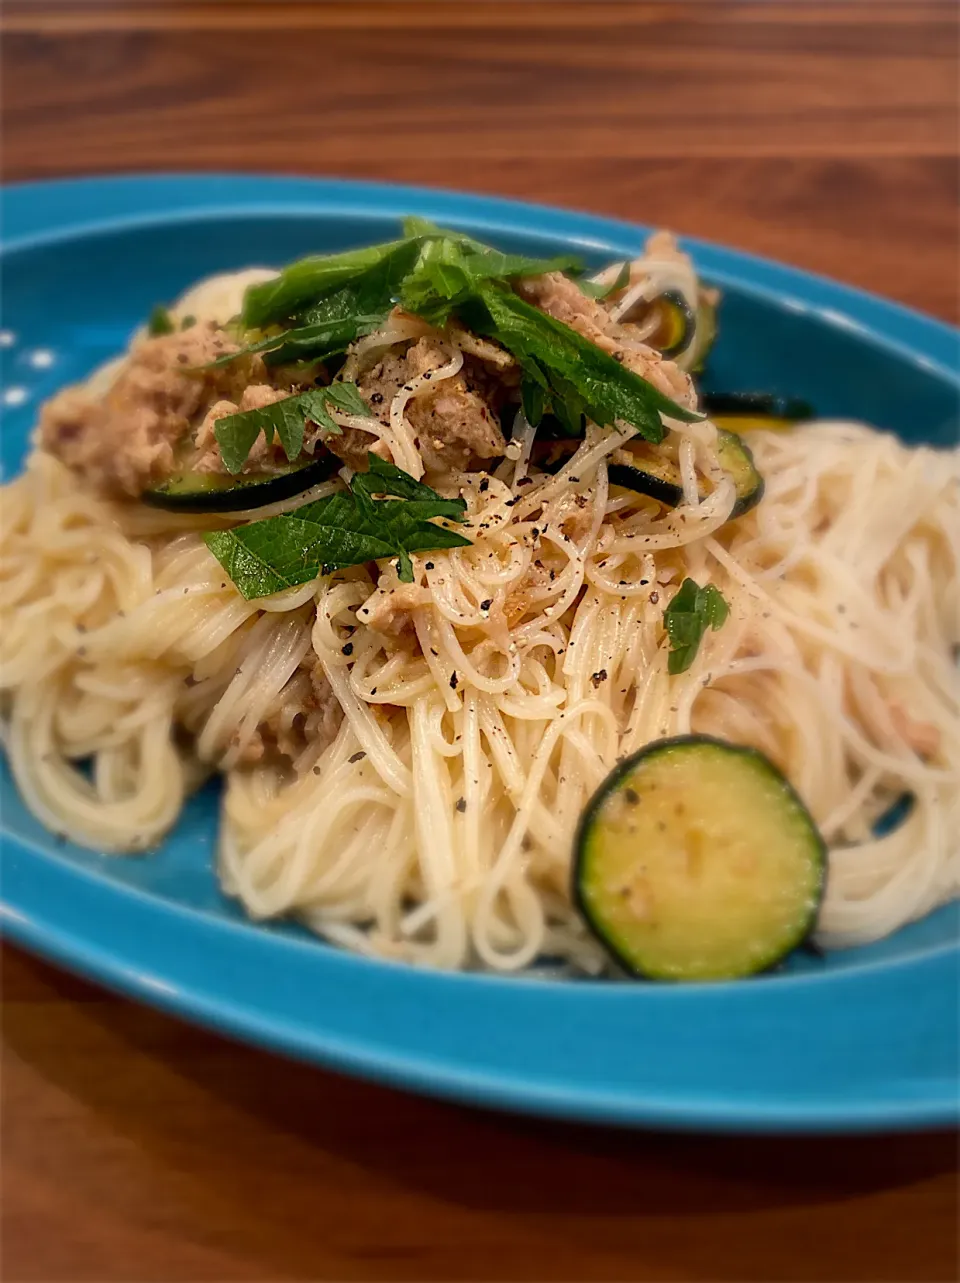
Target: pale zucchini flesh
{"type": "Point", "coordinates": [696, 860]}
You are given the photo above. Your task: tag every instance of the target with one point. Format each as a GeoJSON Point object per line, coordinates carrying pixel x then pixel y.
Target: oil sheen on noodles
{"type": "Point", "coordinates": [436, 827]}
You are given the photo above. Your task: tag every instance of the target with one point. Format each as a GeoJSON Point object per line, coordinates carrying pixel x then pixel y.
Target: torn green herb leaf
{"type": "Point", "coordinates": [159, 322]}
{"type": "Point", "coordinates": [691, 612]}
{"type": "Point", "coordinates": [533, 399]}
{"type": "Point", "coordinates": [345, 313]}
{"type": "Point", "coordinates": [306, 281]}
{"type": "Point", "coordinates": [570, 366]}
{"type": "Point", "coordinates": [450, 269]}
{"type": "Point", "coordinates": [327, 303]}
{"type": "Point", "coordinates": [285, 419]}
{"type": "Point", "coordinates": [345, 529]}
{"type": "Point", "coordinates": [597, 290]}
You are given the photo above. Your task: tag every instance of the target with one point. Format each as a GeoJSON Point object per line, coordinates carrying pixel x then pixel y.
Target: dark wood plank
{"type": "Point", "coordinates": [810, 134]}
{"type": "Point", "coordinates": [648, 81]}
{"type": "Point", "coordinates": [135, 1148]}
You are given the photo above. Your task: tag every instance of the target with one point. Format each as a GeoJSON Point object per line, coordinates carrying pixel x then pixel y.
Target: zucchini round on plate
{"type": "Point", "coordinates": [189, 491]}
{"type": "Point", "coordinates": [696, 860]}
{"type": "Point", "coordinates": [656, 475]}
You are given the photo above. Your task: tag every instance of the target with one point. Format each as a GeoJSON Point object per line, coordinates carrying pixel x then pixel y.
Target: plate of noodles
{"type": "Point", "coordinates": [497, 650]}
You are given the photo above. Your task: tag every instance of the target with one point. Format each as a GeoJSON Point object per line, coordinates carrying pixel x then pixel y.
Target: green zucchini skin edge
{"type": "Point", "coordinates": [613, 782]}
{"type": "Point", "coordinates": [648, 483]}
{"type": "Point", "coordinates": [630, 478]}
{"type": "Point", "coordinates": [759, 404]}
{"type": "Point", "coordinates": [243, 495]}
{"type": "Point", "coordinates": [749, 499]}
{"type": "Point", "coordinates": [689, 334]}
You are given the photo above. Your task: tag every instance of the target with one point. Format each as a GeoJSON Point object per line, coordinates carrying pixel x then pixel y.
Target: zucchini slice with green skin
{"type": "Point", "coordinates": [696, 860]}
{"type": "Point", "coordinates": [751, 411]}
{"type": "Point", "coordinates": [760, 405]}
{"type": "Point", "coordinates": [659, 477]}
{"type": "Point", "coordinates": [188, 491]}
{"type": "Point", "coordinates": [752, 423]}
{"type": "Point", "coordinates": [654, 476]}
{"type": "Point", "coordinates": [706, 333]}
{"type": "Point", "coordinates": [677, 326]}
{"type": "Point", "coordinates": [736, 459]}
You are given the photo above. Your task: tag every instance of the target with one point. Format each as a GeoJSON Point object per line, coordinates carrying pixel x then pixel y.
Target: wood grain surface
{"type": "Point", "coordinates": [136, 1148]}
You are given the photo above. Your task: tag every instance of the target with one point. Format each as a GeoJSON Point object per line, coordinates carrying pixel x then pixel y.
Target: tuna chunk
{"type": "Point", "coordinates": [305, 714]}
{"type": "Point", "coordinates": [454, 423]}
{"type": "Point", "coordinates": [390, 608]}
{"type": "Point", "coordinates": [565, 301]}
{"type": "Point", "coordinates": [124, 440]}
{"type": "Point", "coordinates": [496, 358]}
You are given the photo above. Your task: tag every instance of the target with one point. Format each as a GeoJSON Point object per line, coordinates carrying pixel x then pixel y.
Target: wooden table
{"type": "Point", "coordinates": [136, 1148]}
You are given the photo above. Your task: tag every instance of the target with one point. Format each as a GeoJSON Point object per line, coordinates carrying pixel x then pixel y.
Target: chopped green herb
{"type": "Point", "coordinates": [357, 308]}
{"type": "Point", "coordinates": [581, 377]}
{"type": "Point", "coordinates": [159, 322]}
{"type": "Point", "coordinates": [345, 529]}
{"type": "Point", "coordinates": [597, 290]}
{"type": "Point", "coordinates": [534, 401]}
{"type": "Point", "coordinates": [450, 269]}
{"type": "Point", "coordinates": [305, 342]}
{"type": "Point", "coordinates": [327, 303]}
{"type": "Point", "coordinates": [306, 281]}
{"type": "Point", "coordinates": [236, 433]}
{"type": "Point", "coordinates": [692, 611]}
{"type": "Point", "coordinates": [414, 225]}
{"type": "Point", "coordinates": [187, 322]}
{"type": "Point", "coordinates": [344, 314]}
{"type": "Point", "coordinates": [382, 477]}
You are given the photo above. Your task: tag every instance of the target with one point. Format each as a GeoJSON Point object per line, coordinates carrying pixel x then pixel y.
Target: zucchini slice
{"type": "Point", "coordinates": [676, 326]}
{"type": "Point", "coordinates": [676, 332]}
{"type": "Point", "coordinates": [706, 332]}
{"type": "Point", "coordinates": [659, 477]}
{"type": "Point", "coordinates": [749, 411]}
{"type": "Point", "coordinates": [188, 491]}
{"type": "Point", "coordinates": [736, 459]}
{"type": "Point", "coordinates": [652, 475]}
{"type": "Point", "coordinates": [696, 860]}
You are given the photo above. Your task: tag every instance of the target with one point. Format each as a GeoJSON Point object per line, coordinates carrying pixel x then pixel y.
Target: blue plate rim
{"type": "Point", "coordinates": [39, 899]}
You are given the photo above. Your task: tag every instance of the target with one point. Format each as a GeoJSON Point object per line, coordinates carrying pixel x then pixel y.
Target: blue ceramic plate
{"type": "Point", "coordinates": [865, 1039]}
